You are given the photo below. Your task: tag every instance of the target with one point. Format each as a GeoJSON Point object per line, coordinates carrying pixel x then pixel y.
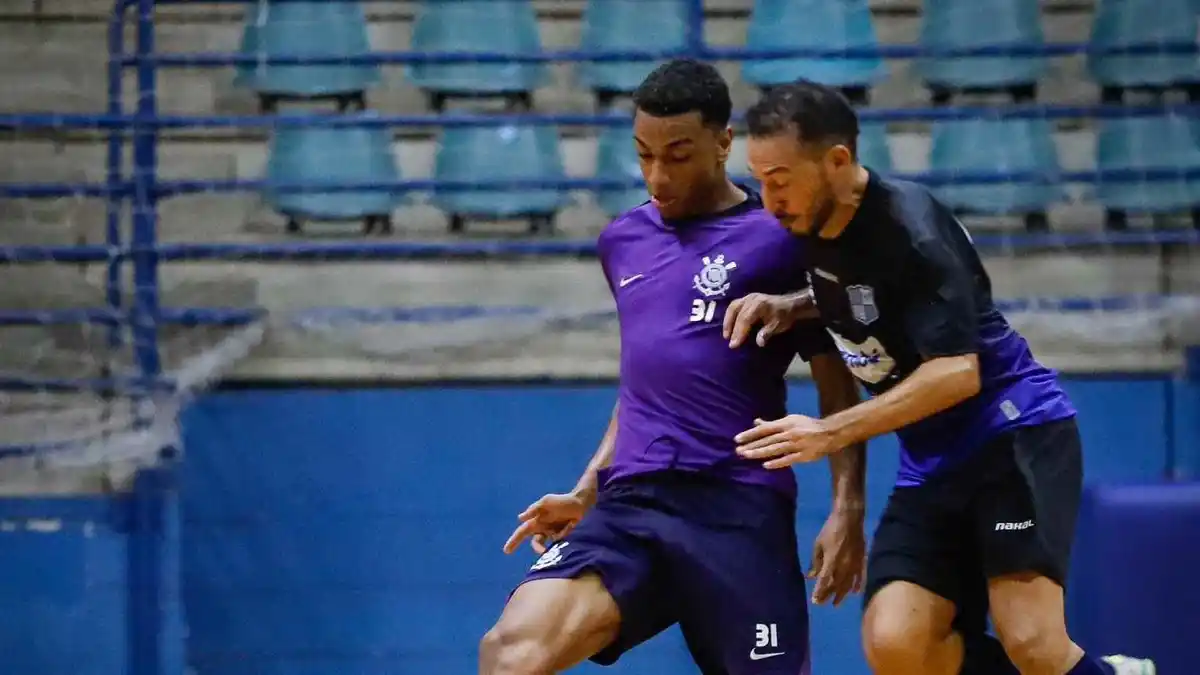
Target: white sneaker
{"type": "Point", "coordinates": [1125, 665]}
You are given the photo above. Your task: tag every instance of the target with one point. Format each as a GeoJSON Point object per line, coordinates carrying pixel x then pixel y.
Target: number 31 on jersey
{"type": "Point", "coordinates": [703, 310]}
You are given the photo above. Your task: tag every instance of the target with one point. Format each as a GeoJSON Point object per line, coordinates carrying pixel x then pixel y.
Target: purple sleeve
{"type": "Point", "coordinates": [604, 253]}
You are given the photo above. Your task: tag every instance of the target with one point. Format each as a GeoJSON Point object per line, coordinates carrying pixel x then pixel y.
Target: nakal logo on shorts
{"type": "Point", "coordinates": [550, 558]}
{"type": "Point", "coordinates": [1025, 525]}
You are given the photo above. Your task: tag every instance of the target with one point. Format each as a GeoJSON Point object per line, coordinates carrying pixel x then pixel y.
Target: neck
{"type": "Point", "coordinates": [846, 208]}
{"type": "Point", "coordinates": [726, 196]}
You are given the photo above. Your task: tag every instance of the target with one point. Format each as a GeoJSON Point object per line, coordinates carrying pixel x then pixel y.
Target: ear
{"type": "Point", "coordinates": [842, 168]}
{"type": "Point", "coordinates": [724, 144]}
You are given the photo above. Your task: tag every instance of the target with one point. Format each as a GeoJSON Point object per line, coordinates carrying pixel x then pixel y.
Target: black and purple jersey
{"type": "Point", "coordinates": [903, 284]}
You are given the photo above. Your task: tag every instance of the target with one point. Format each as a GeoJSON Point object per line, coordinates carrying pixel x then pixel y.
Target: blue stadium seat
{"type": "Point", "coordinates": [982, 146]}
{"type": "Point", "coordinates": [628, 25]}
{"type": "Point", "coordinates": [1142, 143]}
{"type": "Point", "coordinates": [501, 26]}
{"type": "Point", "coordinates": [1124, 23]}
{"type": "Point", "coordinates": [812, 24]}
{"type": "Point", "coordinates": [513, 153]}
{"type": "Point", "coordinates": [616, 159]}
{"type": "Point", "coordinates": [873, 150]}
{"type": "Point", "coordinates": [344, 155]}
{"type": "Point", "coordinates": [297, 29]}
{"type": "Point", "coordinates": [956, 24]}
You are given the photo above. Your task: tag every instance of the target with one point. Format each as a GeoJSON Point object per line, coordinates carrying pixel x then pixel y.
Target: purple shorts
{"type": "Point", "coordinates": [717, 557]}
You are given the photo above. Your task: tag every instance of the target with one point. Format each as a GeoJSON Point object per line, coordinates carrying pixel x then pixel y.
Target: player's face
{"type": "Point", "coordinates": [799, 182]}
{"type": "Point", "coordinates": [682, 161]}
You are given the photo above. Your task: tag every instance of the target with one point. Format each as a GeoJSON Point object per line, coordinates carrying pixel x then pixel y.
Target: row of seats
{"type": "Point", "coordinates": [510, 27]}
{"type": "Point", "coordinates": [515, 153]}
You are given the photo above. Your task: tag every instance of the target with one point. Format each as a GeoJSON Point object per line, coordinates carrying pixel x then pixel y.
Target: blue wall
{"type": "Point", "coordinates": [358, 532]}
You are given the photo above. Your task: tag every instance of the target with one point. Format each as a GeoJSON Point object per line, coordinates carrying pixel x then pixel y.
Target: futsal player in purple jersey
{"type": "Point", "coordinates": [668, 525]}
{"type": "Point", "coordinates": [984, 508]}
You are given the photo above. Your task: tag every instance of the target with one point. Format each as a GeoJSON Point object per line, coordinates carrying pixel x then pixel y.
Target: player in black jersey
{"type": "Point", "coordinates": [983, 513]}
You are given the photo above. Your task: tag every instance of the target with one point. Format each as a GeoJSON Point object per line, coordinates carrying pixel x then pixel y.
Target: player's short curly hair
{"type": "Point", "coordinates": [814, 112]}
{"type": "Point", "coordinates": [683, 86]}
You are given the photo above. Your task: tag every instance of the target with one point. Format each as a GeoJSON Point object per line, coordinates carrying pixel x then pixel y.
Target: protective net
{"type": "Point", "coordinates": [250, 263]}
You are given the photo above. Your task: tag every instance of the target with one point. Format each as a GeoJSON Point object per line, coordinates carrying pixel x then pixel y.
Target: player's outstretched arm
{"type": "Point", "coordinates": [774, 313]}
{"type": "Point", "coordinates": [839, 552]}
{"type": "Point", "coordinates": [554, 515]}
{"type": "Point", "coordinates": [934, 386]}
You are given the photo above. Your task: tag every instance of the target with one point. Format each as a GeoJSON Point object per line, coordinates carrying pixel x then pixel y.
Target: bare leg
{"type": "Point", "coordinates": [550, 625]}
{"type": "Point", "coordinates": [907, 631]}
{"type": "Point", "coordinates": [1029, 616]}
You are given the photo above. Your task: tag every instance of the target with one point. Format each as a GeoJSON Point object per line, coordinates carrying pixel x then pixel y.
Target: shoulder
{"type": "Point", "coordinates": [628, 225]}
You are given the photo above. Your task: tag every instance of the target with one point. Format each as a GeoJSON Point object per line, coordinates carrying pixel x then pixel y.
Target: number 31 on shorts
{"type": "Point", "coordinates": [703, 310]}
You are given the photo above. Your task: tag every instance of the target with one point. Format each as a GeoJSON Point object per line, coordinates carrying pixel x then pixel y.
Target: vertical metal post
{"type": "Point", "coordinates": [113, 175]}
{"type": "Point", "coordinates": [144, 236]}
{"type": "Point", "coordinates": [695, 29]}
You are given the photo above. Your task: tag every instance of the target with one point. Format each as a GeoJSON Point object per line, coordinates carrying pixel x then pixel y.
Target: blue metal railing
{"type": "Point", "coordinates": [140, 186]}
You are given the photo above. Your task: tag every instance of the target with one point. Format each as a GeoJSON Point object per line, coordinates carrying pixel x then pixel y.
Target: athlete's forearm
{"type": "Point", "coordinates": [837, 391]}
{"type": "Point", "coordinates": [589, 482]}
{"type": "Point", "coordinates": [936, 385]}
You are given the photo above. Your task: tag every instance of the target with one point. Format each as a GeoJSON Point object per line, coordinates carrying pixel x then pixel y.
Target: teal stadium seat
{"type": "Point", "coordinates": [812, 24]}
{"type": "Point", "coordinates": [956, 24]}
{"type": "Point", "coordinates": [980, 146]}
{"type": "Point", "coordinates": [1148, 143]}
{"type": "Point", "coordinates": [506, 153]}
{"type": "Point", "coordinates": [298, 29]}
{"type": "Point", "coordinates": [1124, 23]}
{"type": "Point", "coordinates": [873, 149]}
{"type": "Point", "coordinates": [616, 159]}
{"type": "Point", "coordinates": [628, 25]}
{"type": "Point", "coordinates": [344, 155]}
{"type": "Point", "coordinates": [465, 26]}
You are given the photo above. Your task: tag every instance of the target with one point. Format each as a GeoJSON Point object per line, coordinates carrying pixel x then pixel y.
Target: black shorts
{"type": "Point", "coordinates": [1009, 508]}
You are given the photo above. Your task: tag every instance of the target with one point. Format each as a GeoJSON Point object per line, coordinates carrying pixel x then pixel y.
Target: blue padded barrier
{"type": "Point", "coordinates": [1136, 556]}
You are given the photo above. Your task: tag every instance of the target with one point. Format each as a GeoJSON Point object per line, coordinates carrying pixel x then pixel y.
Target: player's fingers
{"type": "Point", "coordinates": [767, 332]}
{"type": "Point", "coordinates": [743, 323]}
{"type": "Point", "coordinates": [519, 535]}
{"type": "Point", "coordinates": [533, 510]}
{"type": "Point", "coordinates": [790, 459]}
{"type": "Point", "coordinates": [818, 559]}
{"type": "Point", "coordinates": [731, 314]}
{"type": "Point", "coordinates": [538, 543]}
{"type": "Point", "coordinates": [759, 431]}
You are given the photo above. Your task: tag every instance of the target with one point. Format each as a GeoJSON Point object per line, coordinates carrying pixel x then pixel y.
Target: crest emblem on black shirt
{"type": "Point", "coordinates": [862, 304]}
{"type": "Point", "coordinates": [713, 279]}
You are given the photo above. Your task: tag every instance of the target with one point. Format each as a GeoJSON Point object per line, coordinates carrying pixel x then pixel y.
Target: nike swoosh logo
{"type": "Point", "coordinates": [625, 281]}
{"type": "Point", "coordinates": [755, 656]}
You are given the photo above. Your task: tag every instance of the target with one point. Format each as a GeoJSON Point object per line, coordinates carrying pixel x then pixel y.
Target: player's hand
{"type": "Point", "coordinates": [794, 439]}
{"type": "Point", "coordinates": [839, 560]}
{"type": "Point", "coordinates": [775, 313]}
{"type": "Point", "coordinates": [548, 519]}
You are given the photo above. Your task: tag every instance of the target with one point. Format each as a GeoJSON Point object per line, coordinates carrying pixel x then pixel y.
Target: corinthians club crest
{"type": "Point", "coordinates": [713, 279]}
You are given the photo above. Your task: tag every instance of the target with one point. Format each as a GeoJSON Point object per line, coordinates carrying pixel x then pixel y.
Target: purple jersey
{"type": "Point", "coordinates": [903, 284]}
{"type": "Point", "coordinates": [684, 394]}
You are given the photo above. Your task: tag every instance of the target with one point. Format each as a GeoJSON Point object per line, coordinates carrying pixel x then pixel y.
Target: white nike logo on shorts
{"type": "Point", "coordinates": [756, 656]}
{"type": "Point", "coordinates": [625, 281]}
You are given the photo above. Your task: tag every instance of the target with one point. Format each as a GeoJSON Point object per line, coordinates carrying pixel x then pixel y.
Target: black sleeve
{"type": "Point", "coordinates": [940, 311]}
{"type": "Point", "coordinates": [810, 338]}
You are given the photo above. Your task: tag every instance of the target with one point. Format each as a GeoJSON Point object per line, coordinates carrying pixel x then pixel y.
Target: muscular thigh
{"type": "Point", "coordinates": [562, 620]}
{"type": "Point", "coordinates": [612, 558]}
{"type": "Point", "coordinates": [737, 574]}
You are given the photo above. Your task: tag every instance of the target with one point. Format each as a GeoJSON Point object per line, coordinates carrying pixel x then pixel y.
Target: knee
{"type": "Point", "coordinates": [505, 651]}
{"type": "Point", "coordinates": [1035, 649]}
{"type": "Point", "coordinates": [894, 646]}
